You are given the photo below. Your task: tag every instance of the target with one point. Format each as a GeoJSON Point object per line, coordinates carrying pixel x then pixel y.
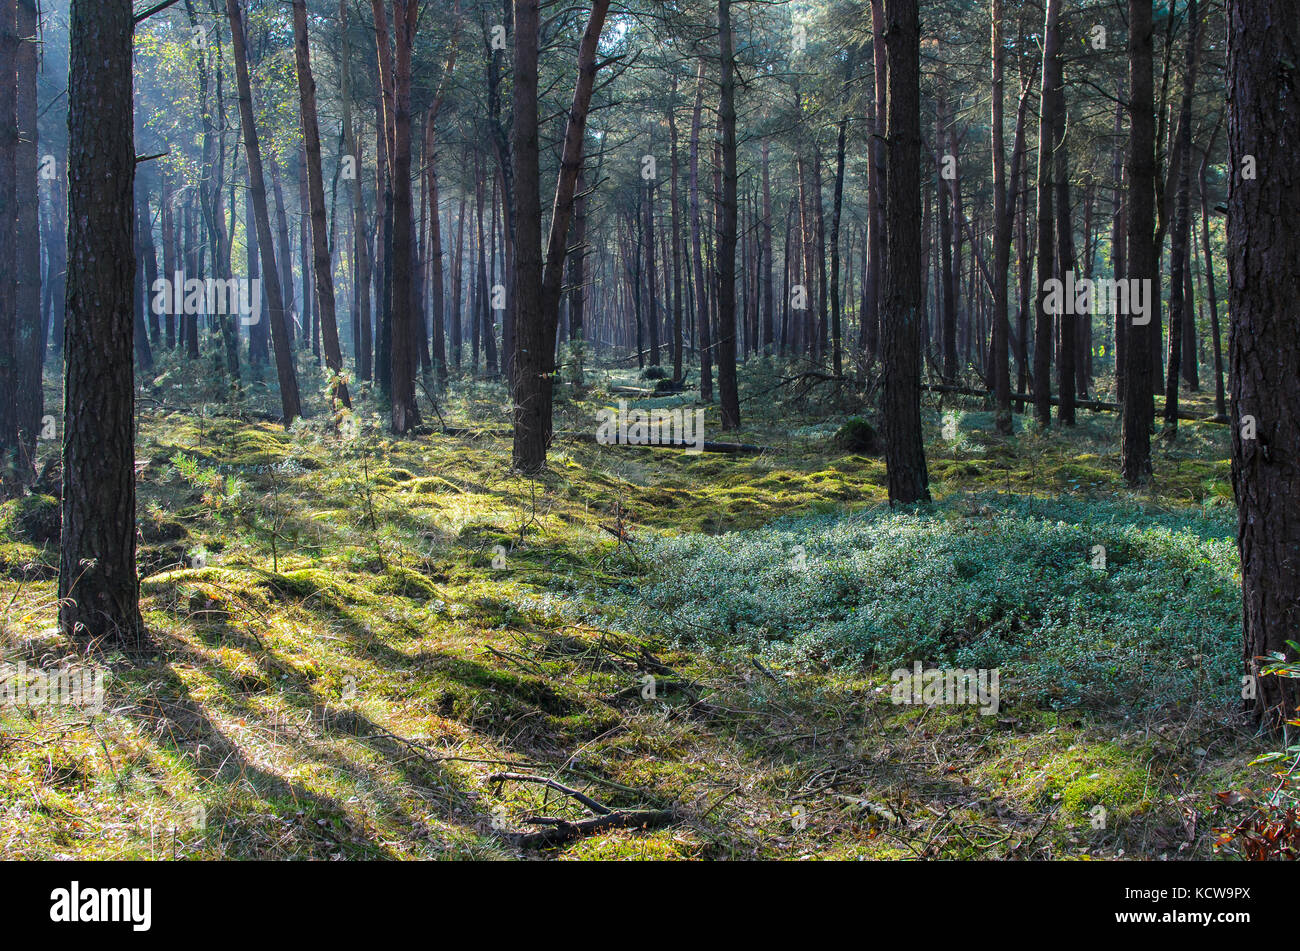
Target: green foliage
{"type": "Point", "coordinates": [984, 582]}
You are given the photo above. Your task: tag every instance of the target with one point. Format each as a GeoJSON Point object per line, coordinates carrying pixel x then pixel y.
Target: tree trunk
{"type": "Point", "coordinates": [98, 586]}
{"type": "Point", "coordinates": [531, 344]}
{"type": "Point", "coordinates": [702, 319]}
{"type": "Point", "coordinates": [1046, 222]}
{"type": "Point", "coordinates": [1068, 334]}
{"type": "Point", "coordinates": [948, 301]}
{"type": "Point", "coordinates": [361, 341]}
{"type": "Point", "coordinates": [1220, 402]}
{"type": "Point", "coordinates": [1004, 201]}
{"type": "Point", "coordinates": [290, 404]}
{"type": "Point", "coordinates": [406, 413]}
{"type": "Point", "coordinates": [30, 332]}
{"type": "Point", "coordinates": [1180, 303]}
{"type": "Point", "coordinates": [1263, 343]}
{"type": "Point", "coordinates": [901, 314]}
{"type": "Point", "coordinates": [1135, 426]}
{"type": "Point", "coordinates": [729, 398]}
{"type": "Point", "coordinates": [12, 465]}
{"type": "Point", "coordinates": [323, 267]}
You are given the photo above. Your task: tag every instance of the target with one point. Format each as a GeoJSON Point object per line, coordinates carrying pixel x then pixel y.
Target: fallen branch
{"type": "Point", "coordinates": [559, 831]}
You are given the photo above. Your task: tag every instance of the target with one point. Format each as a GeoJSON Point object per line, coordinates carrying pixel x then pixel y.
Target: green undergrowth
{"type": "Point", "coordinates": [351, 637]}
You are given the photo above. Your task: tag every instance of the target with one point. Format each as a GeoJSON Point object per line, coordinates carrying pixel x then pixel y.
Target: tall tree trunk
{"type": "Point", "coordinates": [361, 341]}
{"type": "Point", "coordinates": [1046, 221]}
{"type": "Point", "coordinates": [702, 319]}
{"type": "Point", "coordinates": [30, 332]}
{"type": "Point", "coordinates": [98, 585]}
{"type": "Point", "coordinates": [290, 405]}
{"type": "Point", "coordinates": [1118, 247]}
{"type": "Point", "coordinates": [531, 407]}
{"type": "Point", "coordinates": [948, 301]}
{"type": "Point", "coordinates": [1263, 344]}
{"type": "Point", "coordinates": [901, 312]}
{"type": "Point", "coordinates": [652, 295]}
{"type": "Point", "coordinates": [1068, 334]}
{"type": "Point", "coordinates": [1004, 203]}
{"type": "Point", "coordinates": [1136, 417]}
{"type": "Point", "coordinates": [837, 202]}
{"type": "Point", "coordinates": [877, 245]}
{"type": "Point", "coordinates": [1220, 403]}
{"type": "Point", "coordinates": [768, 302]}
{"type": "Point", "coordinates": [562, 207]}
{"type": "Point", "coordinates": [406, 413]}
{"type": "Point", "coordinates": [12, 466]}
{"type": "Point", "coordinates": [1179, 300]}
{"type": "Point", "coordinates": [323, 269]}
{"type": "Point", "coordinates": [729, 398]}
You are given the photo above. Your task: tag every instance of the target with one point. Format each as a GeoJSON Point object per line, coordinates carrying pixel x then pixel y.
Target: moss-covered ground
{"type": "Point", "coordinates": [352, 635]}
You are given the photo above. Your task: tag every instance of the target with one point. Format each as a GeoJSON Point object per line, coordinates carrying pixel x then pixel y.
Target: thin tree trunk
{"type": "Point", "coordinates": [323, 269]}
{"type": "Point", "coordinates": [1046, 221]}
{"type": "Point", "coordinates": [729, 398]}
{"type": "Point", "coordinates": [290, 404]}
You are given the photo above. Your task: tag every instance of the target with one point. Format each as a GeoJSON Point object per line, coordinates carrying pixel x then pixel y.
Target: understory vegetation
{"type": "Point", "coordinates": [374, 647]}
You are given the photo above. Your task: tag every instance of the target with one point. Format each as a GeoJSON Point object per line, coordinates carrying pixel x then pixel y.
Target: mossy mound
{"type": "Point", "coordinates": [34, 518]}
{"type": "Point", "coordinates": [858, 436]}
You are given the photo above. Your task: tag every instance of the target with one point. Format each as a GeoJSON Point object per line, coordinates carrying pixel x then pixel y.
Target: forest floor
{"type": "Point", "coordinates": [352, 639]}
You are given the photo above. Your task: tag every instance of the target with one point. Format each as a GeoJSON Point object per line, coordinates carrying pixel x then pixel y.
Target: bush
{"type": "Point", "coordinates": [985, 583]}
{"type": "Point", "coordinates": [654, 373]}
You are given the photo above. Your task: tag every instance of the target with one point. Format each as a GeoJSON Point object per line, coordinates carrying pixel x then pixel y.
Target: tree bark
{"type": "Point", "coordinates": [98, 586]}
{"type": "Point", "coordinates": [901, 315]}
{"type": "Point", "coordinates": [531, 406]}
{"type": "Point", "coordinates": [1135, 425]}
{"type": "Point", "coordinates": [1264, 343]}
